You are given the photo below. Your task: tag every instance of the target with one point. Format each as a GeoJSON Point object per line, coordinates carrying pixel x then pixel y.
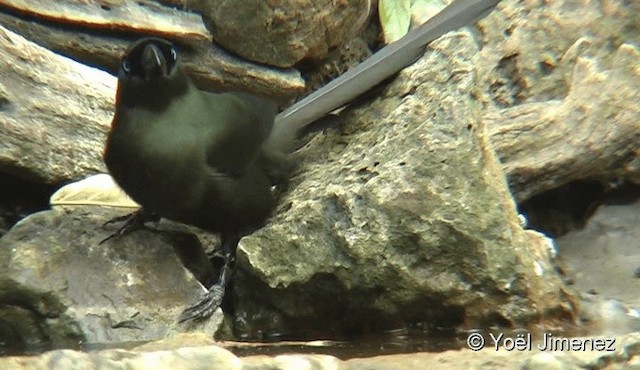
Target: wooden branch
{"type": "Point", "coordinates": [594, 133]}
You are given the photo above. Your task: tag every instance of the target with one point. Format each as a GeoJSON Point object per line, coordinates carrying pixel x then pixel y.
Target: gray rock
{"type": "Point", "coordinates": [189, 358]}
{"type": "Point", "coordinates": [55, 276]}
{"type": "Point", "coordinates": [295, 30]}
{"type": "Point", "coordinates": [69, 28]}
{"type": "Point", "coordinates": [625, 353]}
{"type": "Point", "coordinates": [126, 15]}
{"type": "Point", "coordinates": [404, 217]}
{"type": "Point", "coordinates": [54, 113]}
{"type": "Point", "coordinates": [602, 258]}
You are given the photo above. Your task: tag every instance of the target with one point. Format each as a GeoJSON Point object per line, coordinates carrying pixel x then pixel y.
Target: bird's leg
{"type": "Point", "coordinates": [214, 295]}
{"type": "Point", "coordinates": [132, 221]}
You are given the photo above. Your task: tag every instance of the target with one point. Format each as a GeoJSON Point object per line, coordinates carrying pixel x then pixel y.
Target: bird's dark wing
{"type": "Point", "coordinates": [383, 64]}
{"type": "Point", "coordinates": [243, 121]}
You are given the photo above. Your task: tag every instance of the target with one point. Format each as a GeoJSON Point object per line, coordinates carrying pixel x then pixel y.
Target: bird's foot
{"type": "Point", "coordinates": [206, 307]}
{"type": "Point", "coordinates": [132, 221]}
{"type": "Point", "coordinates": [213, 297]}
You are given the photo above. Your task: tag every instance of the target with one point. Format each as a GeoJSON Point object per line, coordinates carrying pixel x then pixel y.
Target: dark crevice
{"type": "Point", "coordinates": [570, 206]}
{"type": "Point", "coordinates": [20, 198]}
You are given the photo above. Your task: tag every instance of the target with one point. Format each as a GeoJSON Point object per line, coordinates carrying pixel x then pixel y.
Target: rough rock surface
{"type": "Point", "coordinates": [295, 29]}
{"type": "Point", "coordinates": [54, 113]}
{"type": "Point", "coordinates": [566, 77]}
{"type": "Point", "coordinates": [125, 15]}
{"type": "Point", "coordinates": [404, 217]}
{"type": "Point", "coordinates": [60, 287]}
{"type": "Point", "coordinates": [211, 66]}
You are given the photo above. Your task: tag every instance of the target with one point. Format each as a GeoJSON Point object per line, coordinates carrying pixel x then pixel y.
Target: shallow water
{"type": "Point", "coordinates": [399, 341]}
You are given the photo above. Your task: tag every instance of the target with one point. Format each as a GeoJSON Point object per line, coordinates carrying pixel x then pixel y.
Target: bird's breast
{"type": "Point", "coordinates": [159, 166]}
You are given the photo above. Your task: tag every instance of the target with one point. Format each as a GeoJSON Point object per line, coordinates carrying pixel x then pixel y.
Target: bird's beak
{"type": "Point", "coordinates": [153, 63]}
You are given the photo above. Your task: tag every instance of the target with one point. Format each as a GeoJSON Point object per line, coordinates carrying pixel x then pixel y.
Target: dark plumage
{"type": "Point", "coordinates": [188, 155]}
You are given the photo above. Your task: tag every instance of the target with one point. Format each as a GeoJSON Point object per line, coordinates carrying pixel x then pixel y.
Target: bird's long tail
{"type": "Point", "coordinates": [291, 123]}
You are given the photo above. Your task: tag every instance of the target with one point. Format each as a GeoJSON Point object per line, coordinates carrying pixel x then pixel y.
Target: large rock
{"type": "Point", "coordinates": [60, 287]}
{"type": "Point", "coordinates": [54, 113]}
{"type": "Point", "coordinates": [284, 32]}
{"type": "Point", "coordinates": [405, 217]}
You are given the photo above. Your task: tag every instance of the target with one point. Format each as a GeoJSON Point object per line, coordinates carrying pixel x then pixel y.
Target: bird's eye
{"type": "Point", "coordinates": [126, 66]}
{"type": "Point", "coordinates": [174, 54]}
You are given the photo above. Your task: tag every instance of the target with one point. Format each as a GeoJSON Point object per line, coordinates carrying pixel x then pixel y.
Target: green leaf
{"type": "Point", "coordinates": [395, 18]}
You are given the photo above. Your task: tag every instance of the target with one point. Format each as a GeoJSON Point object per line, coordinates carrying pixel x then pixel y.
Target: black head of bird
{"type": "Point", "coordinates": [149, 70]}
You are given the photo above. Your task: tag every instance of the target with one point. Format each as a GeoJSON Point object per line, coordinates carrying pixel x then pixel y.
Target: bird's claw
{"type": "Point", "coordinates": [132, 221]}
{"type": "Point", "coordinates": [206, 307]}
{"type": "Point", "coordinates": [119, 219]}
{"type": "Point", "coordinates": [213, 297]}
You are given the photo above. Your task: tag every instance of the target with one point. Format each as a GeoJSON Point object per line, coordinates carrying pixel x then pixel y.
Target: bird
{"type": "Point", "coordinates": [214, 159]}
